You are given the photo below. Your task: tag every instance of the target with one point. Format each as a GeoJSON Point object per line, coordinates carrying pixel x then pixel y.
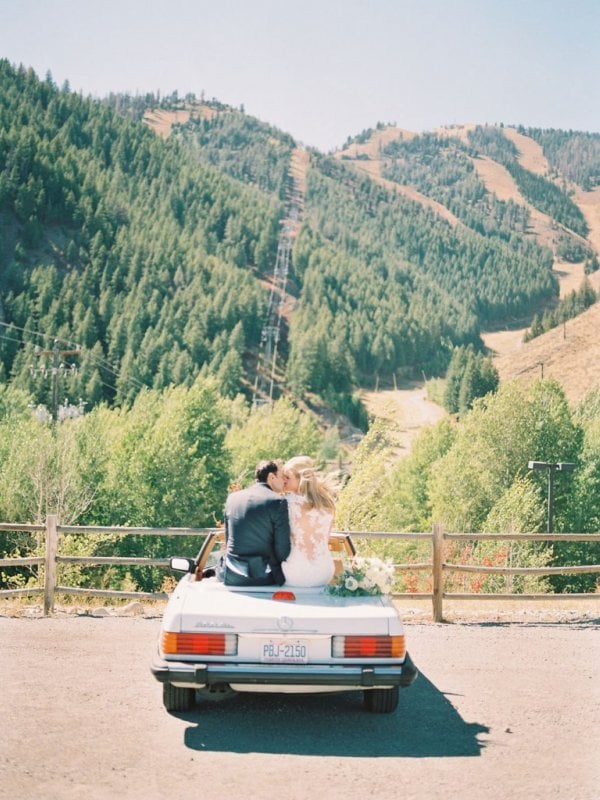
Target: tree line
{"type": "Point", "coordinates": [170, 459]}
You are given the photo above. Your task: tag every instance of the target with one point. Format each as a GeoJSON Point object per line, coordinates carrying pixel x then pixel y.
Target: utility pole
{"type": "Point", "coordinates": [57, 368]}
{"type": "Point", "coordinates": [551, 467]}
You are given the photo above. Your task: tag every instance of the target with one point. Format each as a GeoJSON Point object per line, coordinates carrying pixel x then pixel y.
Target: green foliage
{"type": "Point", "coordinates": [584, 502]}
{"type": "Point", "coordinates": [492, 448]}
{"type": "Point", "coordinates": [473, 476]}
{"type": "Point", "coordinates": [361, 505]}
{"type": "Point", "coordinates": [242, 147]}
{"type": "Point", "coordinates": [519, 510]}
{"type": "Point", "coordinates": [386, 284]}
{"type": "Point", "coordinates": [39, 472]}
{"type": "Point", "coordinates": [393, 497]}
{"type": "Point", "coordinates": [407, 502]}
{"type": "Point", "coordinates": [571, 249]}
{"type": "Point", "coordinates": [146, 251]}
{"type": "Point", "coordinates": [470, 375]}
{"type": "Point", "coordinates": [13, 403]}
{"type": "Point", "coordinates": [168, 464]}
{"type": "Point", "coordinates": [591, 265]}
{"type": "Point", "coordinates": [279, 432]}
{"type": "Point", "coordinates": [442, 168]}
{"type": "Point", "coordinates": [350, 405]}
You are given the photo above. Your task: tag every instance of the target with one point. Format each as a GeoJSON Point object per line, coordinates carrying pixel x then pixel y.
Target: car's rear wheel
{"type": "Point", "coordinates": [381, 701]}
{"type": "Point", "coordinates": [177, 698]}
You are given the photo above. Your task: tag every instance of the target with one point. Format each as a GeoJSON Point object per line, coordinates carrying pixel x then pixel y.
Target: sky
{"type": "Point", "coordinates": [324, 70]}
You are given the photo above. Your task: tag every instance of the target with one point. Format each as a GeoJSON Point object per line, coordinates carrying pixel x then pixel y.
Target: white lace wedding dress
{"type": "Point", "coordinates": [309, 563]}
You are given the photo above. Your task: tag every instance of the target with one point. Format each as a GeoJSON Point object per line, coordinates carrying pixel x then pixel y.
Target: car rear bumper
{"type": "Point", "coordinates": [359, 676]}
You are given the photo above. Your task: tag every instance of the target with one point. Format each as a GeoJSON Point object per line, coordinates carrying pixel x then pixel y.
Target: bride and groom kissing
{"type": "Point", "coordinates": [277, 530]}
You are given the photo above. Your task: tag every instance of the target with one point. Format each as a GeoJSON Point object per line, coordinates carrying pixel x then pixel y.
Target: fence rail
{"type": "Point", "coordinates": [438, 566]}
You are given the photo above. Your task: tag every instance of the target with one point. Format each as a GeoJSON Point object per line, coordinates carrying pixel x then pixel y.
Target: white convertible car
{"type": "Point", "coordinates": [217, 638]}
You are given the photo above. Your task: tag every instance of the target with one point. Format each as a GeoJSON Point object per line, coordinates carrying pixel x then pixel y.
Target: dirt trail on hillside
{"type": "Point", "coordinates": [372, 167]}
{"type": "Point", "coordinates": [161, 121]}
{"type": "Point", "coordinates": [498, 180]}
{"type": "Point", "coordinates": [589, 203]}
{"type": "Point", "coordinates": [408, 408]}
{"type": "Point", "coordinates": [531, 154]}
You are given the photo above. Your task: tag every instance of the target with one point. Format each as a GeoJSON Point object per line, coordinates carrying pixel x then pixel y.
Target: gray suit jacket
{"type": "Point", "coordinates": [257, 531]}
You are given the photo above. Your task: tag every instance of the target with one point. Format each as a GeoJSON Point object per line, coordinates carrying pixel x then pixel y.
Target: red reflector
{"type": "Point", "coordinates": [283, 596]}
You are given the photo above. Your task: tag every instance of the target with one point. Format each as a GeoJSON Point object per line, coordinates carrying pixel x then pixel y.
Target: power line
{"type": "Point", "coordinates": [56, 370]}
{"type": "Point", "coordinates": [101, 362]}
{"type": "Point", "coordinates": [39, 333]}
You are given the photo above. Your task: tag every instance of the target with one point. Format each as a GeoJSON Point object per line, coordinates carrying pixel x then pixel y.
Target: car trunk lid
{"type": "Point", "coordinates": [209, 605]}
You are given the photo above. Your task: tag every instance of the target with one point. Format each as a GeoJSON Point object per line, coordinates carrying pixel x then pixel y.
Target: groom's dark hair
{"type": "Point", "coordinates": [263, 468]}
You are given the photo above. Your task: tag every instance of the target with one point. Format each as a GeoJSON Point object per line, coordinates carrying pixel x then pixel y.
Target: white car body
{"type": "Point", "coordinates": [278, 639]}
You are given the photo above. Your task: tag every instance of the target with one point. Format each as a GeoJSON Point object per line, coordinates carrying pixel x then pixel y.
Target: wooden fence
{"type": "Point", "coordinates": [437, 566]}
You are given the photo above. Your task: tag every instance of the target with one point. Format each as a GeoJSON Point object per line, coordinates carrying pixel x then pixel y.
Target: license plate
{"type": "Point", "coordinates": [284, 651]}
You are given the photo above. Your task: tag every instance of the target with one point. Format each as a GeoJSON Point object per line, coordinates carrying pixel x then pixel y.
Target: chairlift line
{"type": "Point", "coordinates": [271, 331]}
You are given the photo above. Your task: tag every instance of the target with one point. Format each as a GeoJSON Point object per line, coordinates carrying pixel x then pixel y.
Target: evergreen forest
{"type": "Point", "coordinates": [152, 256]}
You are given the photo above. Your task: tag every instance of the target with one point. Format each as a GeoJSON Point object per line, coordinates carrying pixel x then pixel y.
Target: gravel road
{"type": "Point", "coordinates": [499, 711]}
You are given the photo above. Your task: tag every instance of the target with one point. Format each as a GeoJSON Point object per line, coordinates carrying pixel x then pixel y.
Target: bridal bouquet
{"type": "Point", "coordinates": [363, 576]}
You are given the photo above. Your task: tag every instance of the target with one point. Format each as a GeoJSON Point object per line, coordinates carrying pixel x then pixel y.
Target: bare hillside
{"type": "Point", "coordinates": [161, 121]}
{"type": "Point", "coordinates": [531, 154]}
{"type": "Point", "coordinates": [589, 203]}
{"type": "Point", "coordinates": [569, 353]}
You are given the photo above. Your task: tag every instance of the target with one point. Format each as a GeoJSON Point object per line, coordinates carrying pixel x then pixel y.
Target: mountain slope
{"type": "Point", "coordinates": [154, 251]}
{"type": "Point", "coordinates": [569, 353]}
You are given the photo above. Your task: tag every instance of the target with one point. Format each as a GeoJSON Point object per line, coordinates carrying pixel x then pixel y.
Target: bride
{"type": "Point", "coordinates": [311, 508]}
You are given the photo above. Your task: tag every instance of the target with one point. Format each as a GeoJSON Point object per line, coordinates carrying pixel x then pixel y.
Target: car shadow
{"type": "Point", "coordinates": [425, 724]}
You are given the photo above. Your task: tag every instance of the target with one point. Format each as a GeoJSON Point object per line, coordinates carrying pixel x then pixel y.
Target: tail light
{"type": "Point", "coordinates": [199, 644]}
{"type": "Point", "coordinates": [368, 647]}
{"type": "Point", "coordinates": [281, 595]}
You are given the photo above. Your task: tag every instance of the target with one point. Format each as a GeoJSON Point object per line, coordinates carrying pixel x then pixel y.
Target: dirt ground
{"type": "Point", "coordinates": [408, 407]}
{"type": "Point", "coordinates": [500, 710]}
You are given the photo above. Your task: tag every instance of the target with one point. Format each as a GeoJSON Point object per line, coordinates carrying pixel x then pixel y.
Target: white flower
{"type": "Point", "coordinates": [364, 576]}
{"type": "Point", "coordinates": [373, 574]}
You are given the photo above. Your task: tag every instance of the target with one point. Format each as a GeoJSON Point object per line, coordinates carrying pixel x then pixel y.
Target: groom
{"type": "Point", "coordinates": [257, 530]}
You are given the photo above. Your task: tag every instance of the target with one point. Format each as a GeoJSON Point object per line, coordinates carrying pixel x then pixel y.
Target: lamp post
{"type": "Point", "coordinates": [551, 467]}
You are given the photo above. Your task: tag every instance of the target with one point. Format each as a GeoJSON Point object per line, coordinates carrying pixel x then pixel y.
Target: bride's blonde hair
{"type": "Point", "coordinates": [312, 485]}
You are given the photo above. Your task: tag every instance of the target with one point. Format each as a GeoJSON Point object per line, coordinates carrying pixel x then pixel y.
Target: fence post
{"type": "Point", "coordinates": [50, 570]}
{"type": "Point", "coordinates": [438, 573]}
